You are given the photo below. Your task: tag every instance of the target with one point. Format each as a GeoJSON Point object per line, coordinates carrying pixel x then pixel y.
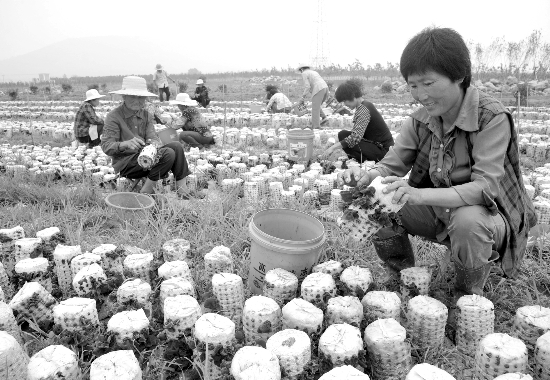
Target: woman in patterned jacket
{"type": "Point", "coordinates": [195, 132]}
{"type": "Point", "coordinates": [465, 189]}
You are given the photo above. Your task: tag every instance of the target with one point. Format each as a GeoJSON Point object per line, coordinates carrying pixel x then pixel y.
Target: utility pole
{"type": "Point", "coordinates": [320, 57]}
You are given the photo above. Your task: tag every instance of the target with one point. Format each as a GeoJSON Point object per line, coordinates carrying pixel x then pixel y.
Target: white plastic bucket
{"type": "Point", "coordinates": [283, 238]}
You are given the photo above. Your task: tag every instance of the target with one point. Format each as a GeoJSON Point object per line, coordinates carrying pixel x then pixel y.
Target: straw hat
{"type": "Point", "coordinates": [303, 65]}
{"type": "Point", "coordinates": [133, 86]}
{"type": "Point", "coordinates": [184, 99]}
{"type": "Point", "coordinates": [200, 81]}
{"type": "Point", "coordinates": [93, 94]}
{"type": "Point", "coordinates": [159, 66]}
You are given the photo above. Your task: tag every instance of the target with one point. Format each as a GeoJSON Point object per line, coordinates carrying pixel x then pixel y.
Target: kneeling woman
{"type": "Point", "coordinates": [194, 131]}
{"type": "Point", "coordinates": [370, 138]}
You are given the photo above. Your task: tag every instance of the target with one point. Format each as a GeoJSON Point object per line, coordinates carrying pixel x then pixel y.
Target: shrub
{"type": "Point", "coordinates": [34, 89]}
{"type": "Point", "coordinates": [67, 88]}
{"type": "Point", "coordinates": [203, 77]}
{"type": "Point", "coordinates": [93, 86]}
{"type": "Point", "coordinates": [151, 87]}
{"type": "Point", "coordinates": [223, 88]}
{"type": "Point", "coordinates": [47, 90]}
{"type": "Point", "coordinates": [104, 86]}
{"type": "Point", "coordinates": [13, 94]}
{"type": "Point", "coordinates": [386, 87]}
{"type": "Point", "coordinates": [182, 86]}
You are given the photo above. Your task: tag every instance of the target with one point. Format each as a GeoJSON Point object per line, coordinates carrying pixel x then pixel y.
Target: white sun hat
{"type": "Point", "coordinates": [200, 81]}
{"type": "Point", "coordinates": [159, 66]}
{"type": "Point", "coordinates": [93, 94]}
{"type": "Point", "coordinates": [302, 65]}
{"type": "Point", "coordinates": [133, 86]}
{"type": "Point", "coordinates": [184, 99]}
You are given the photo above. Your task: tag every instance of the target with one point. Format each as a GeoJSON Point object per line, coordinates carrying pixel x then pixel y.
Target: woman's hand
{"type": "Point", "coordinates": [404, 193]}
{"type": "Point", "coordinates": [354, 177]}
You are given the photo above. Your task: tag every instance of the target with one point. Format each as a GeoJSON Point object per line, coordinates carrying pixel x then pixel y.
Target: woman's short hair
{"type": "Point", "coordinates": [437, 49]}
{"type": "Point", "coordinates": [349, 90]}
{"type": "Point", "coordinates": [271, 89]}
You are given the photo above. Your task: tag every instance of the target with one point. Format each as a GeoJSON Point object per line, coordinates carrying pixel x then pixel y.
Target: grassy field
{"type": "Point", "coordinates": [79, 210]}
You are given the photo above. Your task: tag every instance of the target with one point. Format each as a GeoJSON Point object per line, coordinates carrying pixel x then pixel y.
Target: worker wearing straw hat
{"type": "Point", "coordinates": [160, 77]}
{"type": "Point", "coordinates": [201, 94]}
{"type": "Point", "coordinates": [87, 125]}
{"type": "Point", "coordinates": [128, 128]}
{"type": "Point", "coordinates": [318, 88]}
{"type": "Point", "coordinates": [195, 132]}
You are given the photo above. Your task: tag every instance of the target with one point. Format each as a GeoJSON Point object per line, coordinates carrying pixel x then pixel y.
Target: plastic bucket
{"type": "Point", "coordinates": [130, 205]}
{"type": "Point", "coordinates": [283, 238]}
{"type": "Point", "coordinates": [168, 135]}
{"type": "Point", "coordinates": [255, 108]}
{"type": "Point", "coordinates": [300, 144]}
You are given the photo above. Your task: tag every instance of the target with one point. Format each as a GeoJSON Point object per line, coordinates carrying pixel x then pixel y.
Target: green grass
{"type": "Point", "coordinates": [79, 210]}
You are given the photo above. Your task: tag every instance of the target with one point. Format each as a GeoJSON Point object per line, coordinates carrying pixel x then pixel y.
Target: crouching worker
{"type": "Point", "coordinates": [370, 138]}
{"type": "Point", "coordinates": [277, 102]}
{"type": "Point", "coordinates": [194, 132]}
{"type": "Point", "coordinates": [87, 125]}
{"type": "Point", "coordinates": [128, 128]}
{"type": "Point", "coordinates": [465, 188]}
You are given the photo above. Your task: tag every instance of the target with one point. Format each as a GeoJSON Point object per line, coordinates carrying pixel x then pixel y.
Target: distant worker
{"type": "Point", "coordinates": [317, 87]}
{"type": "Point", "coordinates": [87, 125]}
{"type": "Point", "coordinates": [194, 132]}
{"type": "Point", "coordinates": [277, 102]}
{"type": "Point", "coordinates": [370, 139]}
{"type": "Point", "coordinates": [201, 94]}
{"type": "Point", "coordinates": [160, 77]}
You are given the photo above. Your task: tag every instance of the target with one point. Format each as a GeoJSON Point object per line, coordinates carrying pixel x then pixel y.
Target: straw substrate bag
{"type": "Point", "coordinates": [302, 315]}
{"type": "Point", "coordinates": [34, 302]}
{"type": "Point", "coordinates": [498, 354]}
{"type": "Point", "coordinates": [211, 330]}
{"type": "Point", "coordinates": [180, 313]}
{"type": "Point", "coordinates": [542, 357]}
{"type": "Point", "coordinates": [53, 362]}
{"type": "Point", "coordinates": [345, 372]}
{"type": "Point", "coordinates": [280, 285]}
{"type": "Point", "coordinates": [13, 359]}
{"type": "Point", "coordinates": [332, 267]}
{"type": "Point", "coordinates": [340, 343]}
{"type": "Point", "coordinates": [345, 309]}
{"type": "Point", "coordinates": [257, 360]}
{"type": "Point", "coordinates": [75, 313]}
{"type": "Point", "coordinates": [389, 352]}
{"type": "Point", "coordinates": [261, 318]}
{"type": "Point", "coordinates": [229, 291]}
{"type": "Point", "coordinates": [62, 255]}
{"type": "Point", "coordinates": [316, 285]}
{"type": "Point", "coordinates": [425, 371]}
{"type": "Point", "coordinates": [124, 324]}
{"type": "Point", "coordinates": [293, 349]}
{"type": "Point", "coordinates": [530, 323]}
{"type": "Point", "coordinates": [426, 319]}
{"type": "Point", "coordinates": [116, 365]}
{"type": "Point", "coordinates": [379, 304]}
{"type": "Point", "coordinates": [475, 319]}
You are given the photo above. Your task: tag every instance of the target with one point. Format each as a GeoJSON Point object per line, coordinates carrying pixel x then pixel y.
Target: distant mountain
{"type": "Point", "coordinates": [114, 55]}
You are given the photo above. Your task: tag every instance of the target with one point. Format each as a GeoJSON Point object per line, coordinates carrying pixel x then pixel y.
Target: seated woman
{"type": "Point", "coordinates": [465, 188]}
{"type": "Point", "coordinates": [86, 118]}
{"type": "Point", "coordinates": [195, 132]}
{"type": "Point", "coordinates": [370, 138]}
{"type": "Point", "coordinates": [277, 101]}
{"type": "Point", "coordinates": [128, 128]}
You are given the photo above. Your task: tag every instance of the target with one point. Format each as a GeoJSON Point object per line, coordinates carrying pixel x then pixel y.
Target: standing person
{"type": "Point", "coordinates": [201, 94]}
{"type": "Point", "coordinates": [318, 88]}
{"type": "Point", "coordinates": [128, 128]}
{"type": "Point", "coordinates": [195, 132]}
{"type": "Point", "coordinates": [160, 77]}
{"type": "Point", "coordinates": [86, 118]}
{"type": "Point", "coordinates": [277, 101]}
{"type": "Point", "coordinates": [370, 138]}
{"type": "Point", "coordinates": [465, 188]}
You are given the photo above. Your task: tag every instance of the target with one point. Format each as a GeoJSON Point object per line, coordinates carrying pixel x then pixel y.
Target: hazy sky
{"type": "Point", "coordinates": [243, 34]}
